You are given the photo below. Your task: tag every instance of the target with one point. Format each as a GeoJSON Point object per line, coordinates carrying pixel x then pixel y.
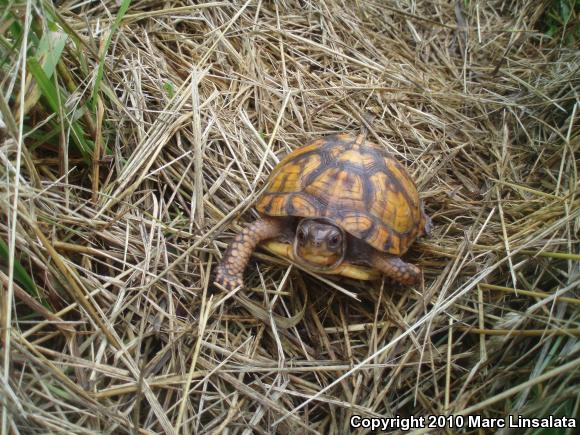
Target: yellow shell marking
{"type": "Point", "coordinates": [302, 206]}
{"type": "Point", "coordinates": [341, 188]}
{"type": "Point", "coordinates": [365, 161]}
{"type": "Point", "coordinates": [290, 180]}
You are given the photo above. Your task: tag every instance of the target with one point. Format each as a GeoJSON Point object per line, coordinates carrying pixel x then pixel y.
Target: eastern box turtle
{"type": "Point", "coordinates": [341, 202]}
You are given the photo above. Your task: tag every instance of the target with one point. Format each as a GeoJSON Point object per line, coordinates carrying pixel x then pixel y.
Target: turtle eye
{"type": "Point", "coordinates": [334, 240]}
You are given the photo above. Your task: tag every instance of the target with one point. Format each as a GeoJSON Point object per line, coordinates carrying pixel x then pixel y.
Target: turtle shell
{"type": "Point", "coordinates": [353, 183]}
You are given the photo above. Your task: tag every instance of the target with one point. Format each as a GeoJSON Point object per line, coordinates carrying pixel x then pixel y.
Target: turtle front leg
{"type": "Point", "coordinates": [230, 272]}
{"type": "Point", "coordinates": [395, 268]}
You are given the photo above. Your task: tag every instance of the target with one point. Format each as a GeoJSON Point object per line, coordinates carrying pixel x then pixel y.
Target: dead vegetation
{"type": "Point", "coordinates": [126, 172]}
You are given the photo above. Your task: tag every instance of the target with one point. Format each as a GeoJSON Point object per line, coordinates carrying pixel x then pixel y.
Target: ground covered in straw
{"type": "Point", "coordinates": [140, 139]}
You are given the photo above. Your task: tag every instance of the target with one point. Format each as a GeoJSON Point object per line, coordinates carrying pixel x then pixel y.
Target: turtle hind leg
{"type": "Point", "coordinates": [395, 268]}
{"type": "Point", "coordinates": [230, 272]}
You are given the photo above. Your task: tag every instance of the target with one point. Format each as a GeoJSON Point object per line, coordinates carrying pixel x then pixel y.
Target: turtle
{"type": "Point", "coordinates": [342, 203]}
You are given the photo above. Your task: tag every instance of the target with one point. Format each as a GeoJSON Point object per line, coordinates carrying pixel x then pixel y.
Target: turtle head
{"type": "Point", "coordinates": [319, 245]}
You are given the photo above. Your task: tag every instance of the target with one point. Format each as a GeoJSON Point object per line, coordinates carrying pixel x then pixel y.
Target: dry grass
{"type": "Point", "coordinates": [196, 105]}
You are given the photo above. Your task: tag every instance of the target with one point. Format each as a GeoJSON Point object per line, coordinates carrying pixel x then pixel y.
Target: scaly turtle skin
{"type": "Point", "coordinates": [342, 201]}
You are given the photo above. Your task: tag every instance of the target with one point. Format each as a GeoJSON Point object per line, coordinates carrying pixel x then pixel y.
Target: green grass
{"type": "Point", "coordinates": [44, 88]}
{"type": "Point", "coordinates": [120, 14]}
{"type": "Point", "coordinates": [20, 275]}
{"type": "Point", "coordinates": [561, 21]}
